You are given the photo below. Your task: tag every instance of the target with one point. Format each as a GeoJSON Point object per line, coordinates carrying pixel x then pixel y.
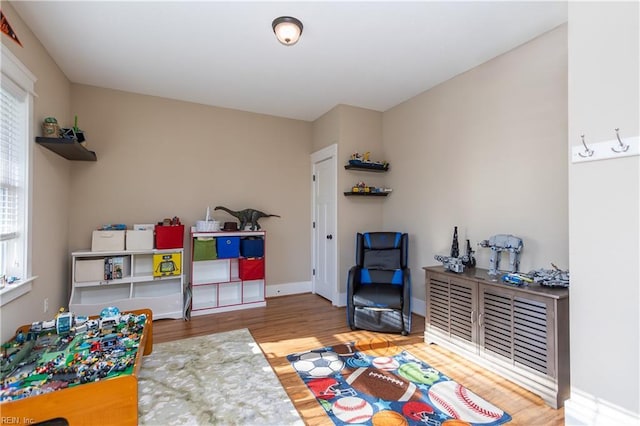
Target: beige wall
{"type": "Point", "coordinates": [326, 130]}
{"type": "Point", "coordinates": [51, 185]}
{"type": "Point", "coordinates": [360, 131]}
{"type": "Point", "coordinates": [604, 93]}
{"type": "Point", "coordinates": [352, 129]}
{"type": "Point", "coordinates": [161, 158]}
{"type": "Point", "coordinates": [485, 151]}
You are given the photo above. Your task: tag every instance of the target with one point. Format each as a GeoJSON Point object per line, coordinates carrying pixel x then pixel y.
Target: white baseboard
{"type": "Point", "coordinates": [583, 409]}
{"type": "Point", "coordinates": [274, 290]}
{"type": "Point", "coordinates": [418, 307]}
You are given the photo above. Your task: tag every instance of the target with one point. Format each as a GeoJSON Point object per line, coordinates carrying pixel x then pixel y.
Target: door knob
{"type": "Point", "coordinates": [329, 237]}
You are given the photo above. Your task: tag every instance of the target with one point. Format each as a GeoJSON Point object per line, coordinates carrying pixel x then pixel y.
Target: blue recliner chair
{"type": "Point", "coordinates": [379, 285]}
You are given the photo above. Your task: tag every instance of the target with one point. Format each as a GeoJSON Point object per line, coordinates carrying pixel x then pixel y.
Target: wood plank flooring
{"type": "Point", "coordinates": [302, 322]}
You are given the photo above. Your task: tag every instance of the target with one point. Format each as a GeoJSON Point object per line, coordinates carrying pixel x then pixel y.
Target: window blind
{"type": "Point", "coordinates": [13, 121]}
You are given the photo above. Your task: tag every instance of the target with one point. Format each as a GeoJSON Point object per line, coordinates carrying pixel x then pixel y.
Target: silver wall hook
{"type": "Point", "coordinates": [587, 152]}
{"type": "Point", "coordinates": [621, 147]}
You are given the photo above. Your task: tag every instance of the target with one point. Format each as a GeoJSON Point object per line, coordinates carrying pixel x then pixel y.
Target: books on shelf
{"type": "Point", "coordinates": [115, 268]}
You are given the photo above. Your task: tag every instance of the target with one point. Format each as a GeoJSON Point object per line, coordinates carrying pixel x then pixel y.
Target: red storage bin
{"type": "Point", "coordinates": [168, 237]}
{"type": "Point", "coordinates": [251, 269]}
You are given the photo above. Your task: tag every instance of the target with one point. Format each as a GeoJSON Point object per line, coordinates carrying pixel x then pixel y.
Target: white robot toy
{"type": "Point", "coordinates": [498, 244]}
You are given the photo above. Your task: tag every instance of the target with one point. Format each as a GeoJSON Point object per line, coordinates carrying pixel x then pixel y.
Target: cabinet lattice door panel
{"type": "Point", "coordinates": [462, 311]}
{"type": "Point", "coordinates": [451, 309]}
{"type": "Point", "coordinates": [438, 303]}
{"type": "Point", "coordinates": [497, 324]}
{"type": "Point", "coordinates": [531, 334]}
{"type": "Point", "coordinates": [517, 328]}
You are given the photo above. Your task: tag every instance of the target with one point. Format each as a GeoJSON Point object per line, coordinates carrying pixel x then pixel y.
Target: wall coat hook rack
{"type": "Point", "coordinates": [606, 150]}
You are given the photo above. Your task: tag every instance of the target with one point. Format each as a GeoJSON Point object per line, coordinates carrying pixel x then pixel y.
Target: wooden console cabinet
{"type": "Point", "coordinates": [521, 333]}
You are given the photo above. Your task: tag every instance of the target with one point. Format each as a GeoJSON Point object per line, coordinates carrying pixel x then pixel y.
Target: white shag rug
{"type": "Point", "coordinates": [218, 379]}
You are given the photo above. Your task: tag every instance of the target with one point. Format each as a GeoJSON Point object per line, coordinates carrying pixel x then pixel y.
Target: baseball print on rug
{"type": "Point", "coordinates": [378, 383]}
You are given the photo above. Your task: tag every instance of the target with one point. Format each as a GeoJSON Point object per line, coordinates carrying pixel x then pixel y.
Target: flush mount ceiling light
{"type": "Point", "coordinates": [287, 29]}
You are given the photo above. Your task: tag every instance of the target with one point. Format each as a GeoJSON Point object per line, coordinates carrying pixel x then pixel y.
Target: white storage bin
{"type": "Point", "coordinates": [139, 240]}
{"type": "Point", "coordinates": [107, 241]}
{"type": "Point", "coordinates": [89, 270]}
{"type": "Point", "coordinates": [144, 226]}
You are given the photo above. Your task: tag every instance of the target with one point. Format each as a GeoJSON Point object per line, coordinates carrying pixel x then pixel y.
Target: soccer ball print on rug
{"type": "Point", "coordinates": [377, 383]}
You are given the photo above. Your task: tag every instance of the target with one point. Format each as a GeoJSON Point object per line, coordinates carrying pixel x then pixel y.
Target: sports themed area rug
{"type": "Point", "coordinates": [377, 383]}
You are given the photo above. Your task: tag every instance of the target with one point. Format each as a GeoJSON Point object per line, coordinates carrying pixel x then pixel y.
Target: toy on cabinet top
{"type": "Point", "coordinates": [555, 277]}
{"type": "Point", "coordinates": [247, 217]}
{"type": "Point", "coordinates": [455, 262]}
{"type": "Point", "coordinates": [498, 244]}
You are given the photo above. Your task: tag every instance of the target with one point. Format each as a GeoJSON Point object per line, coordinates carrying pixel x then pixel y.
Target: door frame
{"type": "Point", "coordinates": [329, 153]}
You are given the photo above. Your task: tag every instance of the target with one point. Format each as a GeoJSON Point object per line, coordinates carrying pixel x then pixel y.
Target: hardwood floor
{"type": "Point", "coordinates": [301, 322]}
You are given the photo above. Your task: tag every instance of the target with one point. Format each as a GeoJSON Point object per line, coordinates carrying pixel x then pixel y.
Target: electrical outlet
{"type": "Point", "coordinates": [46, 305]}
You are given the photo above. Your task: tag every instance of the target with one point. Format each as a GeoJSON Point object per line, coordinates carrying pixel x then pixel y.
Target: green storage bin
{"type": "Point", "coordinates": [204, 249]}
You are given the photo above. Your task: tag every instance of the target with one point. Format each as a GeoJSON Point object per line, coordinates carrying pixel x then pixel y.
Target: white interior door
{"type": "Point", "coordinates": [324, 211]}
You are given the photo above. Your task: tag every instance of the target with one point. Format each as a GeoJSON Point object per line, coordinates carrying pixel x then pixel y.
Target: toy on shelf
{"type": "Point", "coordinates": [363, 161]}
{"type": "Point", "coordinates": [361, 187]}
{"type": "Point", "coordinates": [50, 128]}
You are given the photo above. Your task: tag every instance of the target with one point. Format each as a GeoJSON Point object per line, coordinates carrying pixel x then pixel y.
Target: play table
{"type": "Point", "coordinates": [110, 400]}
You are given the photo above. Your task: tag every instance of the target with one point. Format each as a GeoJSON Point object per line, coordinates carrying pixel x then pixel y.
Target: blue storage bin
{"type": "Point", "coordinates": [228, 247]}
{"type": "Point", "coordinates": [252, 247]}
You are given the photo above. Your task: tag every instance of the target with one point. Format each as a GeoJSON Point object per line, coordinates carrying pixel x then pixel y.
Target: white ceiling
{"type": "Point", "coordinates": [368, 54]}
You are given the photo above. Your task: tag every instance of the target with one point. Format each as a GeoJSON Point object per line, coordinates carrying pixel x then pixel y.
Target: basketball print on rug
{"type": "Point", "coordinates": [377, 383]}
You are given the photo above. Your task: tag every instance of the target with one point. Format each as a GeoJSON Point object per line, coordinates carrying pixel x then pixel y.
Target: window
{"type": "Point", "coordinates": [15, 120]}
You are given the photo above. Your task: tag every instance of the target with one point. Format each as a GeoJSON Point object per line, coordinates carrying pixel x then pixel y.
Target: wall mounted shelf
{"type": "Point", "coordinates": [367, 194]}
{"type": "Point", "coordinates": [67, 148]}
{"type": "Point", "coordinates": [366, 168]}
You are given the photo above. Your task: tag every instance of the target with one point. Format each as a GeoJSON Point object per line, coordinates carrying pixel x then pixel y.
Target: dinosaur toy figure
{"type": "Point", "coordinates": [247, 216]}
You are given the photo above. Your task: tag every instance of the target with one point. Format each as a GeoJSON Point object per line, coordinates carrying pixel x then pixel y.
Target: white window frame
{"type": "Point", "coordinates": [15, 75]}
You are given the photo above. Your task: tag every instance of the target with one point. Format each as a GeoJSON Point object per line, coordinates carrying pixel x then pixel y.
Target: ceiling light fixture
{"type": "Point", "coordinates": [287, 29]}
